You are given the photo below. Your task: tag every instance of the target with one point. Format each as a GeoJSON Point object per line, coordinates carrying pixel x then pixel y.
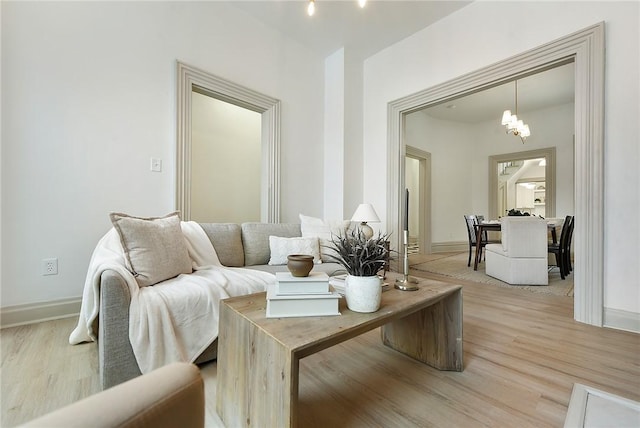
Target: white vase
{"type": "Point", "coordinates": [363, 293]}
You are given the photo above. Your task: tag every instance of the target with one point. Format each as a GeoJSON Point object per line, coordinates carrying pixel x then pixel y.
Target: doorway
{"type": "Point", "coordinates": [418, 183]}
{"type": "Point", "coordinates": [224, 138]}
{"type": "Point", "coordinates": [586, 49]}
{"type": "Point", "coordinates": [192, 80]}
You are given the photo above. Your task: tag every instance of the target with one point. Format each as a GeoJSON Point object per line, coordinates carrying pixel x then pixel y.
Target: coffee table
{"type": "Point", "coordinates": [258, 357]}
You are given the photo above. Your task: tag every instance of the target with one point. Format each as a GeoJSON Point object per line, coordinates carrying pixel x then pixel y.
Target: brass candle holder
{"type": "Point", "coordinates": [406, 283]}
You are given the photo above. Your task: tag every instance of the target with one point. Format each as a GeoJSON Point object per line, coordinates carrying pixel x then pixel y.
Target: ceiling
{"type": "Point", "coordinates": [542, 90]}
{"type": "Point", "coordinates": [337, 24]}
{"type": "Point", "coordinates": [380, 24]}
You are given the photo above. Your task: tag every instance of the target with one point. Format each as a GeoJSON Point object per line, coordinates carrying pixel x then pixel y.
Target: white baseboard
{"type": "Point", "coordinates": [11, 316]}
{"type": "Point", "coordinates": [449, 247]}
{"type": "Point", "coordinates": [621, 320]}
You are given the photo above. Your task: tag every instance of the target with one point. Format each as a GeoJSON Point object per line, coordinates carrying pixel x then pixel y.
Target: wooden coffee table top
{"type": "Point", "coordinates": [307, 335]}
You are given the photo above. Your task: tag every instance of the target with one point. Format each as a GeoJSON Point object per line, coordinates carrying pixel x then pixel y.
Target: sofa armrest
{"type": "Point", "coordinates": [113, 332]}
{"type": "Point", "coordinates": [170, 396]}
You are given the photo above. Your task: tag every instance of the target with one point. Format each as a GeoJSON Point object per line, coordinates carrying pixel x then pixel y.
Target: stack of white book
{"type": "Point", "coordinates": [307, 296]}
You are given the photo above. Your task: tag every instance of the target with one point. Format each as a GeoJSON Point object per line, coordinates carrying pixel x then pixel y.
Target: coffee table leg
{"type": "Point", "coordinates": [432, 335]}
{"type": "Point", "coordinates": [257, 377]}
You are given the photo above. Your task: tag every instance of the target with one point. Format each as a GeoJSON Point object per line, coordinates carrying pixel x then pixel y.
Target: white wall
{"type": "Point", "coordinates": [89, 96]}
{"type": "Point", "coordinates": [334, 144]}
{"type": "Point", "coordinates": [353, 163]}
{"type": "Point", "coordinates": [451, 148]}
{"type": "Point", "coordinates": [343, 136]}
{"type": "Point", "coordinates": [482, 34]}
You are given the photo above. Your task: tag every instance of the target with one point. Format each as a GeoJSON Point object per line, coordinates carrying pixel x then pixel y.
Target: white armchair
{"type": "Point", "coordinates": [521, 258]}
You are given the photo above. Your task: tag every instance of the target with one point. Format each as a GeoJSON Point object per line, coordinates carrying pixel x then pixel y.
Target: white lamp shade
{"type": "Point", "coordinates": [365, 213]}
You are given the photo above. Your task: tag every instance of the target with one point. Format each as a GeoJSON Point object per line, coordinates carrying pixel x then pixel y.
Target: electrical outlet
{"type": "Point", "coordinates": [50, 266]}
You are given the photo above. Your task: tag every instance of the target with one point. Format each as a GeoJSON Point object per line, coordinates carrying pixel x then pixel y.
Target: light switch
{"type": "Point", "coordinates": [156, 165]}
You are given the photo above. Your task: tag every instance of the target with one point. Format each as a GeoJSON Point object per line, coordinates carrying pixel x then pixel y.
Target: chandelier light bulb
{"type": "Point", "coordinates": [514, 125]}
{"type": "Point", "coordinates": [362, 3]}
{"type": "Point", "coordinates": [506, 117]}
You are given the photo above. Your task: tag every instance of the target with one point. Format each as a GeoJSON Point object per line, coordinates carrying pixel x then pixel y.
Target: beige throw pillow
{"type": "Point", "coordinates": [154, 248]}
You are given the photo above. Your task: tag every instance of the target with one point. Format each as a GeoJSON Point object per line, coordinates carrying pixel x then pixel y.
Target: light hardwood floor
{"type": "Point", "coordinates": [522, 354]}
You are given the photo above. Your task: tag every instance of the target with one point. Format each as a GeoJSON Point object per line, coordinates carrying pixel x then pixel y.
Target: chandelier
{"type": "Point", "coordinates": [514, 125]}
{"type": "Point", "coordinates": [311, 7]}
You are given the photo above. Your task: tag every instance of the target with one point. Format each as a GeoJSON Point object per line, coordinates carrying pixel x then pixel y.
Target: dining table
{"type": "Point", "coordinates": [495, 226]}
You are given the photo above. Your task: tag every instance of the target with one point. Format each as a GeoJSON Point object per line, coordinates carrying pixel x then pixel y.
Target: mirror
{"type": "Point", "coordinates": [521, 174]}
{"type": "Point", "coordinates": [530, 197]}
{"type": "Point", "coordinates": [194, 81]}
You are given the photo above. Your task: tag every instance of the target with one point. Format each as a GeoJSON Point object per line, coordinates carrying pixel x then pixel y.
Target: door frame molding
{"type": "Point", "coordinates": [587, 49]}
{"type": "Point", "coordinates": [191, 78]}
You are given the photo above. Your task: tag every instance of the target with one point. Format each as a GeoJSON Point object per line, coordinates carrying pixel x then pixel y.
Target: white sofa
{"type": "Point", "coordinates": [245, 245]}
{"type": "Point", "coordinates": [521, 258]}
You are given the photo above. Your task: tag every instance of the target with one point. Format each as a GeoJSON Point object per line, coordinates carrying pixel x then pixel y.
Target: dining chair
{"type": "Point", "coordinates": [567, 253]}
{"type": "Point", "coordinates": [562, 249]}
{"type": "Point", "coordinates": [471, 220]}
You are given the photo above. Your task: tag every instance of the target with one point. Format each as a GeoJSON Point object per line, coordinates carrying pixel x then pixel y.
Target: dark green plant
{"type": "Point", "coordinates": [358, 255]}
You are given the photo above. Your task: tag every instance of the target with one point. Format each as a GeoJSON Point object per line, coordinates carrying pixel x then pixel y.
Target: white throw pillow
{"type": "Point", "coordinates": [282, 247]}
{"type": "Point", "coordinates": [154, 248]}
{"type": "Point", "coordinates": [324, 230]}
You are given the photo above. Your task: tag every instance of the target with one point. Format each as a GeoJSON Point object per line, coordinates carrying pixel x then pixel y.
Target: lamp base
{"type": "Point", "coordinates": [367, 230]}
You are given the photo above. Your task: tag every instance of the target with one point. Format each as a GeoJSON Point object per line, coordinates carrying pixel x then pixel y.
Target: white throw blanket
{"type": "Point", "coordinates": [177, 319]}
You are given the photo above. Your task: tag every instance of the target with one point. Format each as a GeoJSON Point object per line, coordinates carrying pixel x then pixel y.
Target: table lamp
{"type": "Point", "coordinates": [365, 214]}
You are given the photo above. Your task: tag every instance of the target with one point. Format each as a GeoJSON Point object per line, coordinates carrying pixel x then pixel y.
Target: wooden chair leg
{"type": "Point", "coordinates": [560, 264]}
{"type": "Point", "coordinates": [469, 261]}
{"type": "Point", "coordinates": [567, 262]}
